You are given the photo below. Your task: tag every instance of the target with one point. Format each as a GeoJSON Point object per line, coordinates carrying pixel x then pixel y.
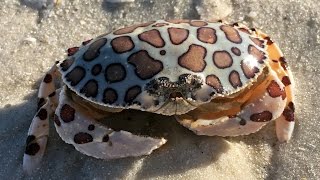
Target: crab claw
{"type": "Point", "coordinates": [88, 136]}
{"type": "Point", "coordinates": [266, 104]}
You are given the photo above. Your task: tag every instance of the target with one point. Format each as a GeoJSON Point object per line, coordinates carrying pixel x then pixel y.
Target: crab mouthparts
{"type": "Point", "coordinates": [182, 88]}
{"type": "Point", "coordinates": [176, 103]}
{"type": "Point", "coordinates": [175, 95]}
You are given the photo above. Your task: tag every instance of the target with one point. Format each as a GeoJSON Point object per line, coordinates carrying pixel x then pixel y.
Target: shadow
{"type": "Point", "coordinates": [279, 161]}
{"type": "Point", "coordinates": [183, 151]}
{"type": "Point", "coordinates": [43, 7]}
{"type": "Point", "coordinates": [37, 5]}
{"type": "Point", "coordinates": [192, 13]}
{"type": "Point", "coordinates": [298, 158]}
{"type": "Point", "coordinates": [265, 146]}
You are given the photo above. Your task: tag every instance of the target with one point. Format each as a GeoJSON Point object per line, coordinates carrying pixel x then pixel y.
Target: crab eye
{"type": "Point", "coordinates": [183, 77]}
{"type": "Point", "coordinates": [193, 82]}
{"type": "Point", "coordinates": [163, 79]}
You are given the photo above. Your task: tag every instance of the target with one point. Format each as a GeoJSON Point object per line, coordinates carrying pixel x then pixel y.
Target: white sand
{"type": "Point", "coordinates": [28, 49]}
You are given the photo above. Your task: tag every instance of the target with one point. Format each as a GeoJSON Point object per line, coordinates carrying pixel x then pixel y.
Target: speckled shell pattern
{"type": "Point", "coordinates": [115, 69]}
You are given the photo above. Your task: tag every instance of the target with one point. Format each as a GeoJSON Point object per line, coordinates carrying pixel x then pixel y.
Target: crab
{"type": "Point", "coordinates": [215, 78]}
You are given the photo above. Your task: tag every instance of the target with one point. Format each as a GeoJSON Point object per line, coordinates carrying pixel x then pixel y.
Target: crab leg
{"type": "Point", "coordinates": [47, 87]}
{"type": "Point", "coordinates": [265, 104]}
{"type": "Point", "coordinates": [76, 126]}
{"type": "Point", "coordinates": [39, 128]}
{"type": "Point", "coordinates": [37, 139]}
{"type": "Point", "coordinates": [285, 123]}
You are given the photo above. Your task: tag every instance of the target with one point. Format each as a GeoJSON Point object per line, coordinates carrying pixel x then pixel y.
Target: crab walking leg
{"type": "Point", "coordinates": [76, 126]}
{"type": "Point", "coordinates": [285, 123]}
{"type": "Point", "coordinates": [266, 104]}
{"type": "Point", "coordinates": [37, 138]}
{"type": "Point", "coordinates": [38, 134]}
{"type": "Point", "coordinates": [39, 129]}
{"type": "Point", "coordinates": [47, 87]}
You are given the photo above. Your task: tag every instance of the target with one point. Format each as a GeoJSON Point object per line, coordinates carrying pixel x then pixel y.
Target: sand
{"type": "Point", "coordinates": [29, 46]}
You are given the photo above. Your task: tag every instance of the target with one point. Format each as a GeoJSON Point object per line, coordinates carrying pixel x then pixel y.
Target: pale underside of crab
{"type": "Point", "coordinates": [215, 78]}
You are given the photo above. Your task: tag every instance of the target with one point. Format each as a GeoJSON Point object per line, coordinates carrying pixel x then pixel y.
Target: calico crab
{"type": "Point", "coordinates": [216, 79]}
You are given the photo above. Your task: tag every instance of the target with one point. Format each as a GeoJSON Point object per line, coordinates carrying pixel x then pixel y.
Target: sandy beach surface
{"type": "Point", "coordinates": [33, 38]}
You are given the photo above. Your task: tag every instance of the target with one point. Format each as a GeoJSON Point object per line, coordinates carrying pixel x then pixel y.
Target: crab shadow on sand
{"type": "Point", "coordinates": [264, 138]}
{"type": "Point", "coordinates": [183, 151]}
{"type": "Point", "coordinates": [43, 7]}
{"type": "Point", "coordinates": [277, 163]}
